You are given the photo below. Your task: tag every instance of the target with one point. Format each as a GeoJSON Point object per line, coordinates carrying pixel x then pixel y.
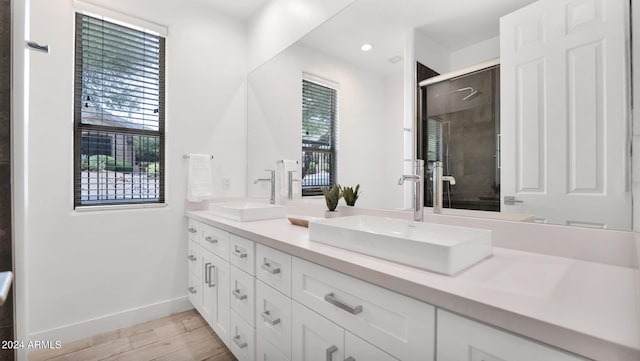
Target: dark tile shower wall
{"type": "Point", "coordinates": [6, 311]}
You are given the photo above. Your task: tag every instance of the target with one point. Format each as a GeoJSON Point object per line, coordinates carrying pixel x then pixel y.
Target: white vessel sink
{"type": "Point", "coordinates": [247, 211]}
{"type": "Point", "coordinates": [434, 247]}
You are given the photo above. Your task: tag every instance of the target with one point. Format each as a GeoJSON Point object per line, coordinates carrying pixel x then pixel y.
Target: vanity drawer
{"type": "Point", "coordinates": [243, 336]}
{"type": "Point", "coordinates": [216, 241]}
{"type": "Point", "coordinates": [273, 317]}
{"type": "Point", "coordinates": [274, 268]}
{"type": "Point", "coordinates": [194, 258]}
{"type": "Point", "coordinates": [397, 324]}
{"type": "Point", "coordinates": [460, 338]}
{"type": "Point", "coordinates": [358, 349]}
{"type": "Point", "coordinates": [194, 230]}
{"type": "Point", "coordinates": [242, 254]}
{"type": "Point", "coordinates": [268, 352]}
{"type": "Point", "coordinates": [243, 294]}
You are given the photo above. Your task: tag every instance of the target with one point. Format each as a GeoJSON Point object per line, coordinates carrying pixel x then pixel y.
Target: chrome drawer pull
{"type": "Point", "coordinates": [330, 352]}
{"type": "Point", "coordinates": [349, 359]}
{"type": "Point", "coordinates": [267, 267]}
{"type": "Point", "coordinates": [207, 274]}
{"type": "Point", "coordinates": [332, 299]}
{"type": "Point", "coordinates": [239, 342]}
{"type": "Point", "coordinates": [192, 290]}
{"type": "Point", "coordinates": [239, 253]}
{"type": "Point", "coordinates": [266, 316]}
{"type": "Point", "coordinates": [211, 278]}
{"type": "Point", "coordinates": [192, 230]}
{"type": "Point", "coordinates": [211, 239]}
{"type": "Point", "coordinates": [238, 295]}
{"type": "Point", "coordinates": [192, 258]}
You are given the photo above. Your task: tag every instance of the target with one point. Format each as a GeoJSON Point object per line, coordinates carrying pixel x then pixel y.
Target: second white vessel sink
{"type": "Point", "coordinates": [434, 247]}
{"type": "Point", "coordinates": [247, 211]}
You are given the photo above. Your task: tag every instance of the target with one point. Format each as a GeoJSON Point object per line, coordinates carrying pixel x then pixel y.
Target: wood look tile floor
{"type": "Point", "coordinates": [184, 336]}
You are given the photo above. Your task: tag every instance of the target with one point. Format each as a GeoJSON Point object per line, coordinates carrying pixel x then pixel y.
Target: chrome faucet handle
{"type": "Point", "coordinates": [450, 179]}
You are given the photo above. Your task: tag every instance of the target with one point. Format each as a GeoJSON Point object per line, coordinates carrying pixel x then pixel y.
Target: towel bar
{"type": "Point", "coordinates": [186, 156]}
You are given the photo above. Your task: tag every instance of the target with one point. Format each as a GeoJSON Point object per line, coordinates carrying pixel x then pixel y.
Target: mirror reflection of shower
{"type": "Point", "coordinates": [459, 126]}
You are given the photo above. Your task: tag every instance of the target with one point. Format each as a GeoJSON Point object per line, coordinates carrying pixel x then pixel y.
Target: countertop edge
{"type": "Point", "coordinates": [538, 331]}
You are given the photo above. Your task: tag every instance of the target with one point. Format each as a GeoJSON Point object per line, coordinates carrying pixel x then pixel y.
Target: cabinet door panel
{"type": "Point", "coordinates": [314, 337]}
{"type": "Point", "coordinates": [215, 282]}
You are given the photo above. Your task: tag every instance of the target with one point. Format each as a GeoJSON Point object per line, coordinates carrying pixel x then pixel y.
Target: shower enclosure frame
{"type": "Point", "coordinates": [419, 121]}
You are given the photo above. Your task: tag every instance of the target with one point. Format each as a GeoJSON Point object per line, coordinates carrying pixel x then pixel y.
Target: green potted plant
{"type": "Point", "coordinates": [350, 195]}
{"type": "Point", "coordinates": [332, 196]}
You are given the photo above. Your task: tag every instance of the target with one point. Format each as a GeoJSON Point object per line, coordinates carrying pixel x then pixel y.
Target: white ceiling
{"type": "Point", "coordinates": [242, 9]}
{"type": "Point", "coordinates": [454, 24]}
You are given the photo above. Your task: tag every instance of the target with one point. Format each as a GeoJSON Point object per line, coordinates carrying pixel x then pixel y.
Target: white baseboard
{"type": "Point", "coordinates": [114, 321]}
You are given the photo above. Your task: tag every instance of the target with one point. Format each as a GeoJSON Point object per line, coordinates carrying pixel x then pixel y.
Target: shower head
{"type": "Point", "coordinates": [471, 95]}
{"type": "Point", "coordinates": [472, 92]}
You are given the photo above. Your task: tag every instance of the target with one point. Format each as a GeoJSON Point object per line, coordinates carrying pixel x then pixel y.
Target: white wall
{"type": "Point", "coordinates": [369, 123]}
{"type": "Point", "coordinates": [282, 22]}
{"type": "Point", "coordinates": [475, 54]}
{"type": "Point", "coordinates": [87, 272]}
{"type": "Point", "coordinates": [430, 53]}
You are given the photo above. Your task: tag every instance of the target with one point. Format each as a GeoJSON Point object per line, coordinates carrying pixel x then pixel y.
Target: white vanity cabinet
{"type": "Point", "coordinates": [268, 305]}
{"type": "Point", "coordinates": [462, 339]}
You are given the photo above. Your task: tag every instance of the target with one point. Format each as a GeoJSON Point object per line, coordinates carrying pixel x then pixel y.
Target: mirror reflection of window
{"type": "Point", "coordinates": [319, 135]}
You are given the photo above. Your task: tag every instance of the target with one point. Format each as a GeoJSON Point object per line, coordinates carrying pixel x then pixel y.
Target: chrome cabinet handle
{"type": "Point", "coordinates": [266, 316]}
{"type": "Point", "coordinates": [238, 295]}
{"type": "Point", "coordinates": [192, 230]}
{"type": "Point", "coordinates": [211, 239]}
{"type": "Point", "coordinates": [238, 341]}
{"type": "Point", "coordinates": [330, 352]}
{"type": "Point", "coordinates": [267, 267]}
{"type": "Point", "coordinates": [349, 359]}
{"type": "Point", "coordinates": [207, 274]}
{"type": "Point", "coordinates": [239, 253]}
{"type": "Point", "coordinates": [332, 299]}
{"type": "Point", "coordinates": [192, 290]}
{"type": "Point", "coordinates": [192, 257]}
{"type": "Point", "coordinates": [211, 283]}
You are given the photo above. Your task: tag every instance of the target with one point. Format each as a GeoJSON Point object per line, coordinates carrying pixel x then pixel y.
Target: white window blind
{"type": "Point", "coordinates": [319, 113]}
{"type": "Point", "coordinates": [118, 114]}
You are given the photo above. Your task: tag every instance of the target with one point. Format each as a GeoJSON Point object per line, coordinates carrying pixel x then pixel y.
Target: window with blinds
{"type": "Point", "coordinates": [319, 111]}
{"type": "Point", "coordinates": [118, 114]}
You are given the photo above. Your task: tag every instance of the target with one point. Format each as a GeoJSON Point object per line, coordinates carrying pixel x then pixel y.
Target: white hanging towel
{"type": "Point", "coordinates": [282, 180]}
{"type": "Point", "coordinates": [199, 182]}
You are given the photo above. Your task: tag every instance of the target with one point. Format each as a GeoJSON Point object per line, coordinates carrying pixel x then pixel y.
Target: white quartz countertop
{"type": "Point", "coordinates": [587, 308]}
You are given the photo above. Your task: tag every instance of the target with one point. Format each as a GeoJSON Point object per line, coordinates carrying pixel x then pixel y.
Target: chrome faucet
{"type": "Point", "coordinates": [418, 188]}
{"type": "Point", "coordinates": [290, 183]}
{"type": "Point", "coordinates": [272, 179]}
{"type": "Point", "coordinates": [438, 185]}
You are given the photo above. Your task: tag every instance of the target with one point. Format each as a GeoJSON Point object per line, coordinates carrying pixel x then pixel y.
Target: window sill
{"type": "Point", "coordinates": [115, 207]}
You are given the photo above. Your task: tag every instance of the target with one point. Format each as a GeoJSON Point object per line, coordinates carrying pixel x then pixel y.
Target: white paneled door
{"type": "Point", "coordinates": [564, 112]}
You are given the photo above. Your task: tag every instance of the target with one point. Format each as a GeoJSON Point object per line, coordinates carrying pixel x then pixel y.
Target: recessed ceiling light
{"type": "Point", "coordinates": [366, 47]}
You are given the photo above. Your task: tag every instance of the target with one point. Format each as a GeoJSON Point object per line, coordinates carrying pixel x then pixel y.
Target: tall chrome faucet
{"type": "Point", "coordinates": [271, 179]}
{"type": "Point", "coordinates": [418, 188]}
{"type": "Point", "coordinates": [438, 185]}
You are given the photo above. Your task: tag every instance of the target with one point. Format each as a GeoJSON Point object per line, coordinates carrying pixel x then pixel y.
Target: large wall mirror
{"type": "Point", "coordinates": [372, 138]}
